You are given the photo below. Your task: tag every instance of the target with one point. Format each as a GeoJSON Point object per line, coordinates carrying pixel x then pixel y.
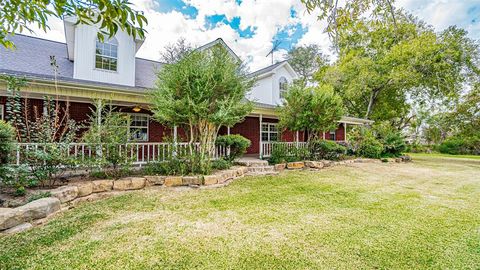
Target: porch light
{"type": "Point", "coordinates": [136, 109]}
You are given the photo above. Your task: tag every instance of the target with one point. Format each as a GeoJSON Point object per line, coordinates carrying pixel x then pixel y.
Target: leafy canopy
{"type": "Point", "coordinates": [383, 68]}
{"type": "Point", "coordinates": [306, 60]}
{"type": "Point", "coordinates": [203, 85]}
{"type": "Point", "coordinates": [311, 109]}
{"type": "Point", "coordinates": [110, 15]}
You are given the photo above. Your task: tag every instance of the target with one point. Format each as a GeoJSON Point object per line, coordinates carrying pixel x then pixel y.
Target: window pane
{"type": "Point", "coordinates": [264, 127]}
{"type": "Point", "coordinates": [273, 128]}
{"type": "Point", "coordinates": [273, 137]}
{"type": "Point", "coordinates": [264, 137]}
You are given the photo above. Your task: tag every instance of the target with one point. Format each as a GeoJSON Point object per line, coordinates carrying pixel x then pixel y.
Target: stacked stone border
{"type": "Point", "coordinates": [13, 220]}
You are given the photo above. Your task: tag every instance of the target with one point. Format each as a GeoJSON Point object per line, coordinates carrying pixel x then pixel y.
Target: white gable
{"type": "Point", "coordinates": [267, 88]}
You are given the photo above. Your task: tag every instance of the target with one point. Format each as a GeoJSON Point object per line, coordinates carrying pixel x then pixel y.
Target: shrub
{"type": "Point", "coordinates": [460, 146]}
{"type": "Point", "coordinates": [7, 140]}
{"type": "Point", "coordinates": [278, 154]}
{"type": "Point", "coordinates": [107, 136]}
{"type": "Point", "coordinates": [393, 144]}
{"type": "Point", "coordinates": [237, 143]}
{"type": "Point", "coordinates": [323, 149]}
{"type": "Point", "coordinates": [17, 177]}
{"type": "Point", "coordinates": [39, 195]}
{"type": "Point", "coordinates": [281, 154]}
{"type": "Point", "coordinates": [370, 147]}
{"type": "Point", "coordinates": [221, 164]}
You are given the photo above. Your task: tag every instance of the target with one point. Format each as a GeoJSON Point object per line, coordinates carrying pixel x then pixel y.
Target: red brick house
{"type": "Point", "coordinates": [89, 70]}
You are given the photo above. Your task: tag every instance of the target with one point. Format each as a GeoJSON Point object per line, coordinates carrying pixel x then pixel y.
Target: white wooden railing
{"type": "Point", "coordinates": [138, 153]}
{"type": "Point", "coordinates": [267, 147]}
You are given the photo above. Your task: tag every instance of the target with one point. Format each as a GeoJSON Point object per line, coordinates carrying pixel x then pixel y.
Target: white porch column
{"type": "Point", "coordinates": [99, 125]}
{"type": "Point", "coordinates": [228, 148]}
{"type": "Point", "coordinates": [345, 131]}
{"type": "Point", "coordinates": [175, 139]}
{"type": "Point", "coordinates": [296, 138]}
{"type": "Point", "coordinates": [260, 140]}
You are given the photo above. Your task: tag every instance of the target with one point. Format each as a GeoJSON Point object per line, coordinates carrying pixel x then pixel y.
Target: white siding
{"type": "Point", "coordinates": [281, 72]}
{"type": "Point", "coordinates": [267, 89]}
{"type": "Point", "coordinates": [84, 63]}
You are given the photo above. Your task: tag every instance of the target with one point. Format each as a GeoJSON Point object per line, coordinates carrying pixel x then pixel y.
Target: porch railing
{"type": "Point", "coordinates": [137, 153]}
{"type": "Point", "coordinates": [289, 147]}
{"type": "Point", "coordinates": [267, 147]}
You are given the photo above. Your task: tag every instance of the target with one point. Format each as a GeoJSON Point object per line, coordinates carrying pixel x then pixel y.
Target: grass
{"type": "Point", "coordinates": [420, 215]}
{"type": "Point", "coordinates": [444, 155]}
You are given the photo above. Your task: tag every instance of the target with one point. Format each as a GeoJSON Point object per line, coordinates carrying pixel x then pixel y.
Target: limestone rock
{"type": "Point", "coordinates": [19, 228]}
{"type": "Point", "coordinates": [280, 167]}
{"type": "Point", "coordinates": [65, 193]}
{"type": "Point", "coordinates": [102, 185]}
{"type": "Point", "coordinates": [228, 174]}
{"type": "Point", "coordinates": [211, 179]}
{"type": "Point", "coordinates": [155, 180]}
{"type": "Point", "coordinates": [9, 217]}
{"type": "Point", "coordinates": [39, 208]}
{"type": "Point", "coordinates": [173, 181]}
{"type": "Point", "coordinates": [314, 164]}
{"type": "Point", "coordinates": [296, 165]}
{"type": "Point", "coordinates": [129, 183]}
{"type": "Point", "coordinates": [191, 180]}
{"type": "Point", "coordinates": [241, 171]}
{"type": "Point", "coordinates": [84, 188]}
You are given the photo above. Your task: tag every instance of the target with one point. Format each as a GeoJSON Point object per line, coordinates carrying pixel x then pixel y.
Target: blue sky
{"type": "Point", "coordinates": [250, 27]}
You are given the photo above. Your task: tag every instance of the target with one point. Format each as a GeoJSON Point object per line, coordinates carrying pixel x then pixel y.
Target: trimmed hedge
{"type": "Point", "coordinates": [370, 147]}
{"type": "Point", "coordinates": [237, 143]}
{"type": "Point", "coordinates": [323, 149]}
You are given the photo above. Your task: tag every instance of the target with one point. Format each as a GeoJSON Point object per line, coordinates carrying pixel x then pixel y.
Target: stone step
{"type": "Point", "coordinates": [253, 163]}
{"type": "Point", "coordinates": [261, 169]}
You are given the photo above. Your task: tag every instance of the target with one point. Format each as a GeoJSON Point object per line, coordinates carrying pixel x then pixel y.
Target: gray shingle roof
{"type": "Point", "coordinates": [31, 58]}
{"type": "Point", "coordinates": [267, 69]}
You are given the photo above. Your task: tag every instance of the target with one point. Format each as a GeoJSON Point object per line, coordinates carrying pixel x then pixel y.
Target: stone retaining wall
{"type": "Point", "coordinates": [17, 219]}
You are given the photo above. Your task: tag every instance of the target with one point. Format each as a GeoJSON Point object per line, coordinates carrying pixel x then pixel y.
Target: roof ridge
{"type": "Point", "coordinates": [40, 38]}
{"type": "Point", "coordinates": [268, 67]}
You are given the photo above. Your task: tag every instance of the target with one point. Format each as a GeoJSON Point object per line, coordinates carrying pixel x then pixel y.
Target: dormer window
{"type": "Point", "coordinates": [106, 54]}
{"type": "Point", "coordinates": [283, 85]}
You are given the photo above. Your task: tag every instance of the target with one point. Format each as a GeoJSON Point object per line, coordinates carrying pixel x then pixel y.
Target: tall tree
{"type": "Point", "coordinates": [110, 15]}
{"type": "Point", "coordinates": [306, 60]}
{"type": "Point", "coordinates": [380, 71]}
{"type": "Point", "coordinates": [202, 92]}
{"type": "Point", "coordinates": [311, 109]}
{"type": "Point", "coordinates": [173, 52]}
{"type": "Point", "coordinates": [345, 14]}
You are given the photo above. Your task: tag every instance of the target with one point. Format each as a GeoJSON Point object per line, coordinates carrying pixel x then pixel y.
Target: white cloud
{"type": "Point", "coordinates": [266, 17]}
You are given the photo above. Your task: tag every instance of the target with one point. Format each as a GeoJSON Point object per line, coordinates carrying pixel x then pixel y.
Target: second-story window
{"type": "Point", "coordinates": [106, 54]}
{"type": "Point", "coordinates": [283, 85]}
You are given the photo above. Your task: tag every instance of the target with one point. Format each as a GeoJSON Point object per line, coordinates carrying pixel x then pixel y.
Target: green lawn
{"type": "Point", "coordinates": [420, 215]}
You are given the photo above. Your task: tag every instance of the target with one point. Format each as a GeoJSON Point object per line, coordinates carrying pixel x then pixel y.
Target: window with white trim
{"type": "Point", "coordinates": [333, 136]}
{"type": "Point", "coordinates": [2, 117]}
{"type": "Point", "coordinates": [283, 86]}
{"type": "Point", "coordinates": [106, 54]}
{"type": "Point", "coordinates": [138, 127]}
{"type": "Point", "coordinates": [269, 132]}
